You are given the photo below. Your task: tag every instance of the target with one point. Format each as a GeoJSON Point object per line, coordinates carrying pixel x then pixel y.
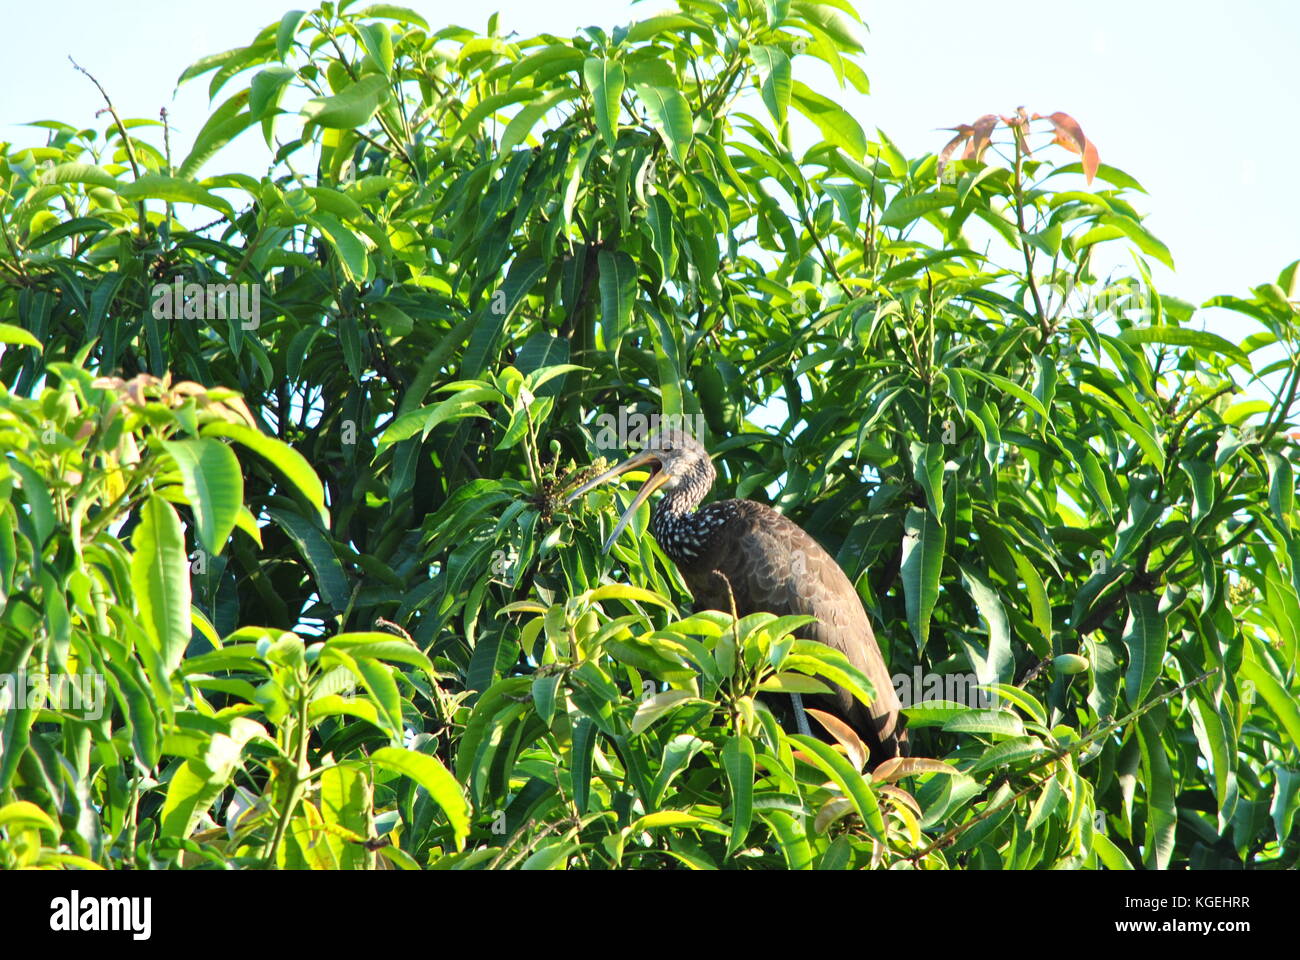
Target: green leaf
{"type": "Point", "coordinates": [225, 123]}
{"type": "Point", "coordinates": [1008, 385]}
{"type": "Point", "coordinates": [315, 548]}
{"type": "Point", "coordinates": [67, 229]}
{"type": "Point", "coordinates": [1146, 241]}
{"type": "Point", "coordinates": [155, 186]}
{"type": "Point", "coordinates": [11, 334]}
{"type": "Point", "coordinates": [488, 107]}
{"type": "Point", "coordinates": [331, 705]}
{"type": "Point", "coordinates": [1004, 754]}
{"type": "Point", "coordinates": [999, 722]}
{"type": "Point", "coordinates": [902, 210]}
{"type": "Point", "coordinates": [1162, 815]}
{"type": "Point", "coordinates": [378, 42]}
{"type": "Point", "coordinates": [927, 466]}
{"type": "Point", "coordinates": [1111, 856]}
{"type": "Point", "coordinates": [422, 421]}
{"type": "Point", "coordinates": [835, 123]}
{"type": "Point", "coordinates": [81, 173]}
{"type": "Point", "coordinates": [652, 708]}
{"type": "Point", "coordinates": [855, 786]}
{"type": "Point", "coordinates": [1145, 638]}
{"type": "Point", "coordinates": [738, 763]}
{"type": "Point", "coordinates": [373, 645]}
{"type": "Point", "coordinates": [351, 108]}
{"type": "Point", "coordinates": [500, 307]}
{"type": "Point", "coordinates": [160, 577]}
{"type": "Point", "coordinates": [923, 549]}
{"type": "Point", "coordinates": [286, 30]}
{"type": "Point", "coordinates": [677, 756]}
{"type": "Point", "coordinates": [522, 123]}
{"type": "Point", "coordinates": [213, 485]}
{"type": "Point", "coordinates": [265, 91]}
{"type": "Point", "coordinates": [622, 591]}
{"type": "Point", "coordinates": [659, 216]}
{"type": "Point", "coordinates": [618, 287]}
{"type": "Point", "coordinates": [291, 464]}
{"type": "Point", "coordinates": [349, 247]}
{"type": "Point", "coordinates": [429, 773]}
{"type": "Point", "coordinates": [1001, 661]}
{"type": "Point", "coordinates": [39, 502]}
{"type": "Point", "coordinates": [190, 792]}
{"type": "Point", "coordinates": [837, 23]}
{"type": "Point", "coordinates": [1182, 337]}
{"type": "Point", "coordinates": [774, 75]}
{"type": "Point", "coordinates": [1280, 701]}
{"type": "Point", "coordinates": [1281, 492]}
{"type": "Point", "coordinates": [391, 11]}
{"type": "Point", "coordinates": [670, 115]}
{"type": "Point", "coordinates": [605, 80]}
{"type": "Point", "coordinates": [1045, 804]}
{"type": "Point", "coordinates": [23, 812]}
{"type": "Point", "coordinates": [1039, 606]}
{"type": "Point", "coordinates": [584, 741]}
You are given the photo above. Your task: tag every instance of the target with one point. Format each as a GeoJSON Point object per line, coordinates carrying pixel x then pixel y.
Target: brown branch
{"type": "Point", "coordinates": [126, 141]}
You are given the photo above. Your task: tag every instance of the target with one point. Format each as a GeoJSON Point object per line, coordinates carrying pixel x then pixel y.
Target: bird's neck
{"type": "Point", "coordinates": [677, 527]}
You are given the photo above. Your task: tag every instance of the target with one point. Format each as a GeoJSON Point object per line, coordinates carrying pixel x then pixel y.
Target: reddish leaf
{"type": "Point", "coordinates": [1070, 135]}
{"type": "Point", "coordinates": [854, 748]}
{"type": "Point", "coordinates": [977, 138]}
{"type": "Point", "coordinates": [896, 768]}
{"type": "Point", "coordinates": [963, 133]}
{"type": "Point", "coordinates": [1090, 161]}
{"type": "Point", "coordinates": [901, 796]}
{"type": "Point", "coordinates": [982, 136]}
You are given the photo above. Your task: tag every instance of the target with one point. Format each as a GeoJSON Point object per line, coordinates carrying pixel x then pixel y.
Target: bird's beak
{"type": "Point", "coordinates": [657, 479]}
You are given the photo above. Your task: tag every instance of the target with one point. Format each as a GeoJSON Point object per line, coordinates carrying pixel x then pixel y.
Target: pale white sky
{"type": "Point", "coordinates": [1197, 100]}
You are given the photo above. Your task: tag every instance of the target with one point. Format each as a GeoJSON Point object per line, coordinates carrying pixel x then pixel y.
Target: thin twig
{"type": "Point", "coordinates": [126, 141]}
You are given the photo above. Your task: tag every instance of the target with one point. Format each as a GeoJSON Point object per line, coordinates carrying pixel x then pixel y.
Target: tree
{"type": "Point", "coordinates": [477, 262]}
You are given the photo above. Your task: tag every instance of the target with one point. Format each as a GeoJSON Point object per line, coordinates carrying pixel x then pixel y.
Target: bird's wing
{"type": "Point", "coordinates": [774, 566]}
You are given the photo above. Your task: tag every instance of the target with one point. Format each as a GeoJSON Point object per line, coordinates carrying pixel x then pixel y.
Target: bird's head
{"type": "Point", "coordinates": [676, 461]}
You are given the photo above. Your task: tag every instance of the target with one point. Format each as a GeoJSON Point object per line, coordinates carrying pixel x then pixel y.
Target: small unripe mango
{"type": "Point", "coordinates": [1070, 663]}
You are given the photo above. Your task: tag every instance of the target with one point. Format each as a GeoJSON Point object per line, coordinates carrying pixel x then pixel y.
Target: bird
{"type": "Point", "coordinates": [770, 564]}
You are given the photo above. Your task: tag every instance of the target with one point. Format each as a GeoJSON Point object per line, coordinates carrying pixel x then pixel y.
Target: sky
{"type": "Point", "coordinates": [1197, 100]}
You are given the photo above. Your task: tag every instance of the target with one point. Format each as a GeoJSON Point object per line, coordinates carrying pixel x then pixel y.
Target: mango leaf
{"type": "Point", "coordinates": [160, 577]}
{"type": "Point", "coordinates": [1145, 637]}
{"type": "Point", "coordinates": [156, 186]}
{"type": "Point", "coordinates": [923, 549]}
{"type": "Point", "coordinates": [351, 108]}
{"type": "Point", "coordinates": [1182, 337]}
{"type": "Point", "coordinates": [835, 123]}
{"type": "Point", "coordinates": [776, 83]}
{"type": "Point", "coordinates": [670, 115]}
{"type": "Point", "coordinates": [429, 773]}
{"type": "Point", "coordinates": [213, 485]}
{"type": "Point", "coordinates": [315, 548]}
{"type": "Point", "coordinates": [605, 79]}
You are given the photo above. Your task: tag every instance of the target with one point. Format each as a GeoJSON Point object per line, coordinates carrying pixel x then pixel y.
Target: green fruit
{"type": "Point", "coordinates": [1070, 663]}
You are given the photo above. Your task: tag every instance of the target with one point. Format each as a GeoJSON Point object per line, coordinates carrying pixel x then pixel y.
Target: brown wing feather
{"type": "Point", "coordinates": [775, 567]}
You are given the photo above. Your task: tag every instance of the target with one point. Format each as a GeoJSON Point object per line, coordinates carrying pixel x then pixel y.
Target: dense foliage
{"type": "Point", "coordinates": [307, 532]}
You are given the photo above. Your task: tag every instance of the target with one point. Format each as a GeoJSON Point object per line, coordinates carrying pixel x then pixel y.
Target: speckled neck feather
{"type": "Point", "coordinates": [681, 531]}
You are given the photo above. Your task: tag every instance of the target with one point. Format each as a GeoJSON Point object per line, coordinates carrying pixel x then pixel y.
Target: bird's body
{"type": "Point", "coordinates": [747, 550]}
